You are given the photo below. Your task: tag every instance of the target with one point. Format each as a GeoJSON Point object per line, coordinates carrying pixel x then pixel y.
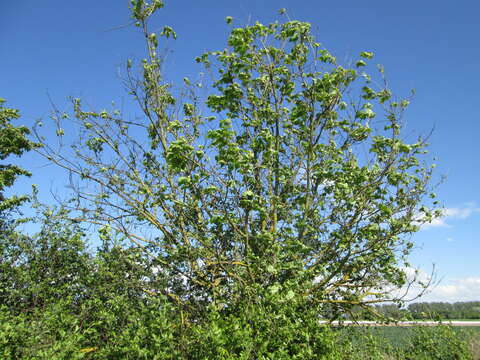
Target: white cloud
{"type": "Point", "coordinates": [437, 222]}
{"type": "Point", "coordinates": [451, 213]}
{"type": "Point", "coordinates": [463, 289]}
{"type": "Point", "coordinates": [416, 281]}
{"type": "Point", "coordinates": [447, 290]}
{"type": "Point", "coordinates": [458, 213]}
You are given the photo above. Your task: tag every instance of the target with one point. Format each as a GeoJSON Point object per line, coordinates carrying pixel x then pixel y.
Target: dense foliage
{"type": "Point", "coordinates": [226, 226]}
{"type": "Point", "coordinates": [64, 302]}
{"type": "Point", "coordinates": [13, 141]}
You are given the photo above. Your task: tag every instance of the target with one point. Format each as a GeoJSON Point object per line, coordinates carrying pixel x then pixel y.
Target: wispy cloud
{"type": "Point", "coordinates": [437, 222]}
{"type": "Point", "coordinates": [460, 213]}
{"type": "Point", "coordinates": [446, 290]}
{"type": "Point", "coordinates": [417, 280]}
{"type": "Point", "coordinates": [463, 289]}
{"type": "Point", "coordinates": [452, 213]}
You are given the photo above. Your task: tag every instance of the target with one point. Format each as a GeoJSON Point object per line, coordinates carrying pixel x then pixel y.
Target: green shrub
{"type": "Point", "coordinates": [360, 343]}
{"type": "Point", "coordinates": [52, 334]}
{"type": "Point", "coordinates": [438, 343]}
{"type": "Point", "coordinates": [262, 331]}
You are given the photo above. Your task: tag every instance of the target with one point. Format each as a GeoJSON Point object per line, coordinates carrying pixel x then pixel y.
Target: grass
{"type": "Point", "coordinates": [389, 338]}
{"type": "Point", "coordinates": [399, 336]}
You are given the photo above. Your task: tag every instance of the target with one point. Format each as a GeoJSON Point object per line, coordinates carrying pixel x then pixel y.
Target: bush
{"type": "Point", "coordinates": [262, 332]}
{"type": "Point", "coordinates": [51, 334]}
{"type": "Point", "coordinates": [438, 343]}
{"type": "Point", "coordinates": [360, 343]}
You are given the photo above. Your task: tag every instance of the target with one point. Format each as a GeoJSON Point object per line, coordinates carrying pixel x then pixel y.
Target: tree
{"type": "Point", "coordinates": [289, 184]}
{"type": "Point", "coordinates": [13, 141]}
{"type": "Point", "coordinates": [37, 270]}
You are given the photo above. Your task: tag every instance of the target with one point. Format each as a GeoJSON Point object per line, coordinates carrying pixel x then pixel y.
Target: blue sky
{"type": "Point", "coordinates": [74, 48]}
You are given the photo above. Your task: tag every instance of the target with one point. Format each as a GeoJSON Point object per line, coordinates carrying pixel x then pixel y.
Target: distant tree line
{"type": "Point", "coordinates": [445, 310]}
{"type": "Point", "coordinates": [469, 310]}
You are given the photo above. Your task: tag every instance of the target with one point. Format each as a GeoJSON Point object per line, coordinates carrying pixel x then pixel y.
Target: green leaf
{"type": "Point", "coordinates": [290, 295]}
{"type": "Point", "coordinates": [167, 32]}
{"type": "Point", "coordinates": [360, 63]}
{"type": "Point", "coordinates": [367, 55]}
{"type": "Point", "coordinates": [274, 289]}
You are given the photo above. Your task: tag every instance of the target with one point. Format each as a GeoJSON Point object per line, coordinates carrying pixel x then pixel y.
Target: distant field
{"type": "Point", "coordinates": [400, 336]}
{"type": "Point", "coordinates": [455, 323]}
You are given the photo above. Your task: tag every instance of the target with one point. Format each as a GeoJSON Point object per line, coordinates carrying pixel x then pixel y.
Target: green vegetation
{"type": "Point", "coordinates": [13, 141]}
{"type": "Point", "coordinates": [469, 310]}
{"type": "Point", "coordinates": [224, 236]}
{"type": "Point", "coordinates": [446, 311]}
{"type": "Point", "coordinates": [419, 342]}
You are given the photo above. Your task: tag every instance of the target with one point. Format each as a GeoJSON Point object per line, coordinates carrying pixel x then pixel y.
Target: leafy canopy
{"type": "Point", "coordinates": [13, 141]}
{"type": "Point", "coordinates": [290, 182]}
